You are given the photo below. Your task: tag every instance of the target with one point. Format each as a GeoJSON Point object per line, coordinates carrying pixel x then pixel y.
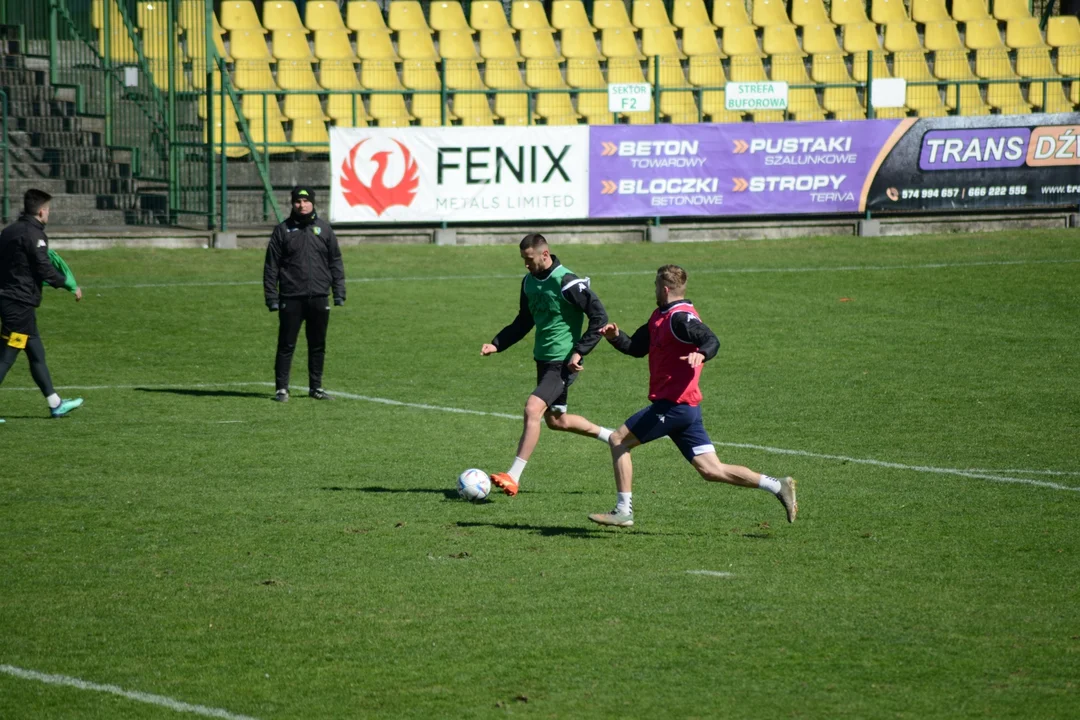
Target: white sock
{"type": "Point", "coordinates": [769, 483]}
{"type": "Point", "coordinates": [516, 469]}
{"type": "Point", "coordinates": [604, 435]}
{"type": "Point", "coordinates": [54, 401]}
{"type": "Point", "coordinates": [624, 504]}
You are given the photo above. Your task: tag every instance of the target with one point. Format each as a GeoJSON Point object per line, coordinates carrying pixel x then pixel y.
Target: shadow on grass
{"type": "Point", "coordinates": [588, 533]}
{"type": "Point", "coordinates": [448, 494]}
{"type": "Point", "coordinates": [206, 393]}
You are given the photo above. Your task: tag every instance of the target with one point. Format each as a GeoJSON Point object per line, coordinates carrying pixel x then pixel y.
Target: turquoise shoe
{"type": "Point", "coordinates": [65, 407]}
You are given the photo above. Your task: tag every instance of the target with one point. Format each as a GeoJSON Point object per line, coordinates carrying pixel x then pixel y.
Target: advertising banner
{"type": "Point", "coordinates": [967, 163]}
{"type": "Point", "coordinates": [737, 169]}
{"type": "Point", "coordinates": [458, 174]}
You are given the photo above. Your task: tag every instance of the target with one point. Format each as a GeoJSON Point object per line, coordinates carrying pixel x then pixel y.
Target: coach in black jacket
{"type": "Point", "coordinates": [24, 267]}
{"type": "Point", "coordinates": [303, 265]}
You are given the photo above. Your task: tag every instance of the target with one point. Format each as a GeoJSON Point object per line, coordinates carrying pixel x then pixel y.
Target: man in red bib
{"type": "Point", "coordinates": [677, 343]}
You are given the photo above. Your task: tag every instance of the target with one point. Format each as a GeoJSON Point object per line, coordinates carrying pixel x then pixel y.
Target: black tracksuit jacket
{"type": "Point", "coordinates": [303, 260]}
{"type": "Point", "coordinates": [24, 262]}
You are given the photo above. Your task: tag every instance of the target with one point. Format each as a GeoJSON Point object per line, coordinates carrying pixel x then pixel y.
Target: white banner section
{"type": "Point", "coordinates": [459, 174]}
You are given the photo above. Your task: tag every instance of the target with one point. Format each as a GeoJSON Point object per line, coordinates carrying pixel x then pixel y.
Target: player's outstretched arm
{"type": "Point", "coordinates": [636, 345]}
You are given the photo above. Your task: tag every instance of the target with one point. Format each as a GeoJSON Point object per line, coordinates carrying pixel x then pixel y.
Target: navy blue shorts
{"type": "Point", "coordinates": [678, 421]}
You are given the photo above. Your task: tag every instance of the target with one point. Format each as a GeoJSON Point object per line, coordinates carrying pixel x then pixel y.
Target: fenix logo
{"type": "Point", "coordinates": [481, 165]}
{"type": "Point", "coordinates": [376, 194]}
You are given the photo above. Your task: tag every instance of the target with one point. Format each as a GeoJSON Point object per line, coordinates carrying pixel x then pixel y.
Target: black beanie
{"type": "Point", "coordinates": [303, 192]}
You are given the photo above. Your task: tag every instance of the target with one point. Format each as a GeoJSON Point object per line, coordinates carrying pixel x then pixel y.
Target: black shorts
{"type": "Point", "coordinates": [553, 379]}
{"type": "Point", "coordinates": [17, 317]}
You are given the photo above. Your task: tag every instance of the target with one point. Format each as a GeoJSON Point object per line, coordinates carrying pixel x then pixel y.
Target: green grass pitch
{"type": "Point", "coordinates": [183, 536]}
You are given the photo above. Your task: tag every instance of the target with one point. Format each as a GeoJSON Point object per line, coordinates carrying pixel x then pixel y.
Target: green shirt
{"type": "Point", "coordinates": [558, 323]}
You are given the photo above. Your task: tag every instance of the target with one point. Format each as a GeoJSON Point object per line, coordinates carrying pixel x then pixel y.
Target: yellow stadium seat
{"type": "Point", "coordinates": [253, 75]}
{"type": "Point", "coordinates": [712, 105]}
{"type": "Point", "coordinates": [325, 15]}
{"type": "Point", "coordinates": [982, 35]}
{"type": "Point", "coordinates": [700, 40]}
{"type": "Point", "coordinates": [1055, 97]}
{"type": "Point", "coordinates": [278, 15]}
{"type": "Point", "coordinates": [968, 102]}
{"type": "Point", "coordinates": [447, 15]}
{"type": "Point", "coordinates": [690, 14]}
{"type": "Point", "coordinates": [555, 104]}
{"type": "Point", "coordinates": [566, 14]}
{"type": "Point", "coordinates": [730, 13]}
{"type": "Point", "coordinates": [420, 75]}
{"type": "Point", "coordinates": [890, 113]}
{"type": "Point", "coordinates": [1035, 63]}
{"type": "Point", "coordinates": [1007, 98]}
{"type": "Point", "coordinates": [740, 40]}
{"type": "Point", "coordinates": [503, 75]}
{"type": "Point", "coordinates": [929, 11]}
{"type": "Point", "coordinates": [861, 37]}
{"type": "Point", "coordinates": [671, 72]}
{"type": "Point", "coordinates": [513, 108]}
{"type": "Point", "coordinates": [240, 15]}
{"type": "Point", "coordinates": [619, 43]}
{"type": "Point", "coordinates": [902, 37]}
{"type": "Point", "coordinates": [649, 14]}
{"type": "Point", "coordinates": [1068, 62]}
{"type": "Point", "coordinates": [540, 44]}
{"type": "Point", "coordinates": [291, 45]}
{"type": "Point", "coordinates": [809, 12]}
{"type": "Point", "coordinates": [747, 68]}
{"type": "Point", "coordinates": [829, 68]}
{"type": "Point", "coordinates": [594, 106]}
{"type": "Point", "coordinates": [121, 48]}
{"type": "Point", "coordinates": [780, 40]}
{"type": "Point", "coordinates": [803, 103]}
{"type": "Point", "coordinates": [248, 45]}
{"type": "Point", "coordinates": [819, 39]}
{"type": "Point", "coordinates": [679, 106]}
{"type": "Point", "coordinates": [235, 146]}
{"type": "Point", "coordinates": [376, 45]}
{"type": "Point", "coordinates": [1063, 31]}
{"type": "Point", "coordinates": [379, 75]}
{"type": "Point", "coordinates": [198, 80]}
{"type": "Point", "coordinates": [159, 69]}
{"type": "Point", "coordinates": [406, 15]}
{"type": "Point", "coordinates": [457, 45]}
{"type": "Point", "coordinates": [843, 103]}
{"type": "Point", "coordinates": [429, 111]}
{"type": "Point", "coordinates": [528, 15]}
{"type": "Point", "coordinates": [768, 116]}
{"type": "Point", "coordinates": [309, 135]}
{"type": "Point", "coordinates": [347, 110]}
{"type": "Point", "coordinates": [192, 19]}
{"type": "Point", "coordinates": [790, 69]}
{"type": "Point", "coordinates": [610, 15]}
{"type": "Point", "coordinates": [953, 65]}
{"type": "Point", "coordinates": [706, 71]}
{"type": "Point", "coordinates": [912, 67]}
{"type": "Point", "coordinates": [296, 75]}
{"type": "Point", "coordinates": [562, 120]}
{"type": "Point", "coordinates": [155, 44]}
{"type": "Point", "coordinates": [575, 42]}
{"type": "Point", "coordinates": [847, 12]}
{"type": "Point", "coordinates": [268, 130]}
{"type": "Point", "coordinates": [1074, 92]}
{"type": "Point", "coordinates": [624, 70]}
{"type": "Point", "coordinates": [487, 15]}
{"type": "Point", "coordinates": [660, 41]}
{"type": "Point", "coordinates": [367, 15]}
{"type": "Point", "coordinates": [463, 75]}
{"type": "Point", "coordinates": [1006, 10]}
{"type": "Point", "coordinates": [260, 105]}
{"type": "Point", "coordinates": [884, 12]}
{"type": "Point", "coordinates": [469, 106]}
{"type": "Point", "coordinates": [543, 73]}
{"type": "Point", "coordinates": [498, 45]}
{"type": "Point", "coordinates": [769, 12]}
{"type": "Point", "coordinates": [860, 69]}
{"type": "Point", "coordinates": [303, 106]}
{"type": "Point", "coordinates": [584, 73]}
{"type": "Point", "coordinates": [333, 45]}
{"type": "Point", "coordinates": [966, 11]}
{"type": "Point", "coordinates": [639, 118]}
{"type": "Point", "coordinates": [942, 35]}
{"type": "Point", "coordinates": [338, 74]}
{"type": "Point", "coordinates": [1024, 33]}
{"type": "Point", "coordinates": [230, 108]}
{"type": "Point", "coordinates": [994, 63]}
{"type": "Point", "coordinates": [414, 45]}
{"type": "Point", "coordinates": [386, 107]}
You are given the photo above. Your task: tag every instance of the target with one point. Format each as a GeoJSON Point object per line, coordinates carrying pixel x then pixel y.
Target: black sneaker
{"type": "Point", "coordinates": [319, 394]}
{"type": "Point", "coordinates": [281, 396]}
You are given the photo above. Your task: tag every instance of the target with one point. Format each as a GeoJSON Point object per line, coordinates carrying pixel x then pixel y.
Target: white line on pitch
{"type": "Point", "coordinates": [462, 411]}
{"type": "Point", "coordinates": [159, 700]}
{"type": "Point", "coordinates": [1022, 472]}
{"type": "Point", "coordinates": [711, 573]}
{"type": "Point", "coordinates": [615, 273]}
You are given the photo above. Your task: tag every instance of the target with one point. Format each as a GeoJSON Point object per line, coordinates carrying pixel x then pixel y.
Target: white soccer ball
{"type": "Point", "coordinates": [473, 484]}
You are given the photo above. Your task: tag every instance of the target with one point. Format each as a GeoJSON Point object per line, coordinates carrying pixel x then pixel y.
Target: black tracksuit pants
{"type": "Point", "coordinates": [16, 317]}
{"type": "Point", "coordinates": [314, 314]}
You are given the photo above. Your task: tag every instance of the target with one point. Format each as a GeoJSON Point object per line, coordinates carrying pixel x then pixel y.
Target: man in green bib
{"type": "Point", "coordinates": [556, 302]}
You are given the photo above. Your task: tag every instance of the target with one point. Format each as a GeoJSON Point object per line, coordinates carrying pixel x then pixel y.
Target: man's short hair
{"type": "Point", "coordinates": [34, 200]}
{"type": "Point", "coordinates": [533, 240]}
{"type": "Point", "coordinates": [672, 277]}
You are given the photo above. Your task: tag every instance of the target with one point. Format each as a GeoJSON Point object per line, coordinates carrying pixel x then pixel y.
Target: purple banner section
{"type": "Point", "coordinates": [962, 149]}
{"type": "Point", "coordinates": [737, 169]}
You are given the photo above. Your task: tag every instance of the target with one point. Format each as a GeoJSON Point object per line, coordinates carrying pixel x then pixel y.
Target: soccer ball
{"type": "Point", "coordinates": [473, 484]}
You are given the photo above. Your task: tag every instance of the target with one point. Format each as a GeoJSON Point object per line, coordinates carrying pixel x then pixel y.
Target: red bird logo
{"type": "Point", "coordinates": [377, 195]}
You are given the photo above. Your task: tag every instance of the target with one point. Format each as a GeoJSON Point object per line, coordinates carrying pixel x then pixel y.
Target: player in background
{"type": "Point", "coordinates": [677, 343]}
{"type": "Point", "coordinates": [556, 302]}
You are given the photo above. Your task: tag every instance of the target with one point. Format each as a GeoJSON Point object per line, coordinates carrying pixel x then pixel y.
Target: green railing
{"type": "Point", "coordinates": [5, 209]}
